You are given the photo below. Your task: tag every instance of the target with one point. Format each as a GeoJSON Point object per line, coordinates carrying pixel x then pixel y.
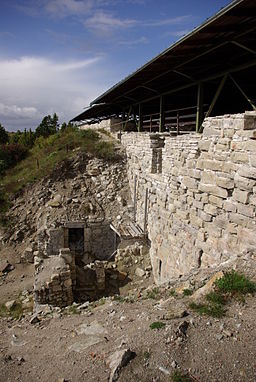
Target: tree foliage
{"type": "Point", "coordinates": [4, 137]}
{"type": "Point", "coordinates": [48, 126]}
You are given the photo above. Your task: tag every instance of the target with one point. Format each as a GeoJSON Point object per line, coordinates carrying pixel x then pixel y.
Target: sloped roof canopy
{"type": "Point", "coordinates": [224, 44]}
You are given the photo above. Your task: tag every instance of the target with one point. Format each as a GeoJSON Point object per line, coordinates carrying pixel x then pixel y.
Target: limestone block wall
{"type": "Point", "coordinates": [201, 193]}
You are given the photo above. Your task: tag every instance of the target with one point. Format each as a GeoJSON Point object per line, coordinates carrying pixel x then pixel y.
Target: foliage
{"type": "Point", "coordinates": [187, 292]}
{"type": "Point", "coordinates": [180, 377]}
{"type": "Point", "coordinates": [157, 325]}
{"type": "Point", "coordinates": [10, 155]}
{"type": "Point", "coordinates": [235, 283]}
{"type": "Point", "coordinates": [4, 137]}
{"type": "Point", "coordinates": [48, 126]}
{"type": "Point", "coordinates": [15, 312]}
{"type": "Point", "coordinates": [231, 284]}
{"type": "Point", "coordinates": [153, 294]}
{"type": "Point", "coordinates": [214, 310]}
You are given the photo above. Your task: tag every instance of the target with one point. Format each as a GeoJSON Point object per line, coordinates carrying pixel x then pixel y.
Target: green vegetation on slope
{"type": "Point", "coordinates": [48, 152]}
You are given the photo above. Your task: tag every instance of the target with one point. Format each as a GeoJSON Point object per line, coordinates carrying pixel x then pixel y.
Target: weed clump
{"type": "Point", "coordinates": [157, 325]}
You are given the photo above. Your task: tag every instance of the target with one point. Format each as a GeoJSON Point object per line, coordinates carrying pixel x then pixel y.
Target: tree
{"type": "Point", "coordinates": [48, 126]}
{"type": "Point", "coordinates": [4, 137]}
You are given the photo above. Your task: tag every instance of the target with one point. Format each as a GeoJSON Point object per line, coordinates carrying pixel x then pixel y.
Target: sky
{"type": "Point", "coordinates": [59, 55]}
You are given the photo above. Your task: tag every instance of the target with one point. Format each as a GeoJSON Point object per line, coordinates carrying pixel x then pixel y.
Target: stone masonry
{"type": "Point", "coordinates": [201, 193]}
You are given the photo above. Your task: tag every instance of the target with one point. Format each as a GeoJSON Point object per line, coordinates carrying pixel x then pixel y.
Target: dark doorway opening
{"type": "Point", "coordinates": [76, 243]}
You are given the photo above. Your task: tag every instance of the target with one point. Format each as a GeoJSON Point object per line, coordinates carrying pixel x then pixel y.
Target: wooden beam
{"type": "Point", "coordinates": [244, 47]}
{"type": "Point", "coordinates": [216, 95]}
{"type": "Point", "coordinates": [199, 108]}
{"type": "Point", "coordinates": [161, 117]}
{"type": "Point", "coordinates": [140, 126]}
{"type": "Point", "coordinates": [243, 93]}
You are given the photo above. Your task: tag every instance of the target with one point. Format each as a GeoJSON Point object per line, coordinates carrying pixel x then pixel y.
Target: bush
{"type": "Point", "coordinates": [11, 154]}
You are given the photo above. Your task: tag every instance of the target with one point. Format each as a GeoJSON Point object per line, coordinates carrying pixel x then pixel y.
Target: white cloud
{"type": "Point", "coordinates": [62, 8]}
{"type": "Point", "coordinates": [106, 23]}
{"type": "Point", "coordinates": [169, 21]}
{"type": "Point", "coordinates": [141, 40]}
{"type": "Point", "coordinates": [32, 87]}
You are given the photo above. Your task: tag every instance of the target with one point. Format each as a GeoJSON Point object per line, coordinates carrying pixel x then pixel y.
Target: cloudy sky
{"type": "Point", "coordinates": [58, 55]}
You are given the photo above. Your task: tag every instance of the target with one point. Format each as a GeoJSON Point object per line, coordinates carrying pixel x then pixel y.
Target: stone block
{"type": "Point", "coordinates": [239, 157]}
{"type": "Point", "coordinates": [208, 177]}
{"type": "Point", "coordinates": [210, 209]}
{"type": "Point", "coordinates": [241, 196]}
{"type": "Point", "coordinates": [198, 204]}
{"type": "Point", "coordinates": [229, 206]}
{"type": "Point", "coordinates": [247, 171]}
{"type": "Point", "coordinates": [238, 218]}
{"type": "Point", "coordinates": [216, 201]}
{"type": "Point", "coordinates": [204, 216]}
{"type": "Point", "coordinates": [190, 183]}
{"type": "Point", "coordinates": [250, 121]}
{"type": "Point", "coordinates": [205, 164]}
{"type": "Point", "coordinates": [213, 190]}
{"type": "Point", "coordinates": [225, 183]}
{"type": "Point", "coordinates": [246, 210]}
{"type": "Point", "coordinates": [244, 183]}
{"type": "Point", "coordinates": [204, 145]}
{"type": "Point", "coordinates": [195, 221]}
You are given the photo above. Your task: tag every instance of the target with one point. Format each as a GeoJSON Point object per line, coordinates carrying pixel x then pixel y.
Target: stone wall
{"type": "Point", "coordinates": [201, 193]}
{"type": "Point", "coordinates": [99, 240]}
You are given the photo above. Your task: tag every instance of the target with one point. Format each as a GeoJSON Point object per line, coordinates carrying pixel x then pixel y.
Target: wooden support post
{"type": "Point", "coordinates": [241, 90]}
{"type": "Point", "coordinates": [216, 96]}
{"type": "Point", "coordinates": [128, 116]}
{"type": "Point", "coordinates": [123, 120]}
{"type": "Point", "coordinates": [146, 212]}
{"type": "Point", "coordinates": [199, 110]}
{"type": "Point", "coordinates": [135, 199]}
{"type": "Point", "coordinates": [140, 126]}
{"type": "Point", "coordinates": [161, 117]}
{"type": "Point", "coordinates": [178, 122]}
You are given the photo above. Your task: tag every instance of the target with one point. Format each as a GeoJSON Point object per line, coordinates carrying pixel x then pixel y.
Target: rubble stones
{"type": "Point", "coordinates": [117, 361]}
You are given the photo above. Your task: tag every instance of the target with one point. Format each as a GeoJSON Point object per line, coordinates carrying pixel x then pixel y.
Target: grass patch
{"type": "Point", "coordinates": [232, 284]}
{"type": "Point", "coordinates": [187, 292]}
{"type": "Point", "coordinates": [15, 312]}
{"type": "Point", "coordinates": [235, 284]}
{"type": "Point", "coordinates": [180, 377]}
{"type": "Point", "coordinates": [157, 325]}
{"type": "Point", "coordinates": [146, 355]}
{"type": "Point", "coordinates": [173, 293]}
{"type": "Point", "coordinates": [153, 294]}
{"type": "Point", "coordinates": [72, 309]}
{"type": "Point", "coordinates": [214, 310]}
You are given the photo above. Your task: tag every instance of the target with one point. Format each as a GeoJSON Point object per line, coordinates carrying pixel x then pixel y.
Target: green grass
{"type": "Point", "coordinates": [153, 294]}
{"type": "Point", "coordinates": [173, 293]}
{"type": "Point", "coordinates": [213, 310]}
{"type": "Point", "coordinates": [72, 309]}
{"type": "Point", "coordinates": [187, 292]}
{"type": "Point", "coordinates": [157, 325]}
{"type": "Point", "coordinates": [235, 284]}
{"type": "Point", "coordinates": [232, 284]}
{"type": "Point", "coordinates": [46, 154]}
{"type": "Point", "coordinates": [180, 377]}
{"type": "Point", "coordinates": [16, 312]}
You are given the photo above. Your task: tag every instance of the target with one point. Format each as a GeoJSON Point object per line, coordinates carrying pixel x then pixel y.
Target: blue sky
{"type": "Point", "coordinates": [58, 55]}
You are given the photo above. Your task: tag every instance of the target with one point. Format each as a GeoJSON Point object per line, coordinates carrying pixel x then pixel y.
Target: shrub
{"type": "Point", "coordinates": [187, 292]}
